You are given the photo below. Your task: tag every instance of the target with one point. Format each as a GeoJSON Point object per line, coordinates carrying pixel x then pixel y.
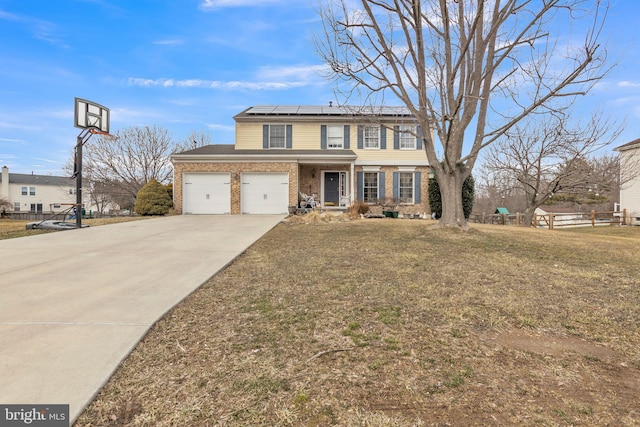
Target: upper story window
{"type": "Point", "coordinates": [32, 191]}
{"type": "Point", "coordinates": [335, 136]}
{"type": "Point", "coordinates": [372, 137]}
{"type": "Point", "coordinates": [276, 136]}
{"type": "Point", "coordinates": [25, 191]}
{"type": "Point", "coordinates": [407, 137]}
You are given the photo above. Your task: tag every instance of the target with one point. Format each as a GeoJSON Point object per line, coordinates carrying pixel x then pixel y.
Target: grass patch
{"type": "Point", "coordinates": [391, 322]}
{"type": "Point", "coordinates": [11, 228]}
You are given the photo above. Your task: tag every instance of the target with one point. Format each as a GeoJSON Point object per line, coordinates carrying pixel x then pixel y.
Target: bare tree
{"type": "Point", "coordinates": [121, 165]}
{"type": "Point", "coordinates": [468, 69]}
{"type": "Point", "coordinates": [549, 155]}
{"type": "Point", "coordinates": [194, 140]}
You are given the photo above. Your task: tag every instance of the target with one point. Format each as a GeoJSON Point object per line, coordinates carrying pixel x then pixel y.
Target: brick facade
{"type": "Point", "coordinates": [235, 169]}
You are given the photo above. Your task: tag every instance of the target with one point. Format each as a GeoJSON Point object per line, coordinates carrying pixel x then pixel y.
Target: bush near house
{"type": "Point", "coordinates": [153, 199]}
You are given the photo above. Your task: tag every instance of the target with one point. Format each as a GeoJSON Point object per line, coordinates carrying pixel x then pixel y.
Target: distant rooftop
{"type": "Point", "coordinates": [31, 179]}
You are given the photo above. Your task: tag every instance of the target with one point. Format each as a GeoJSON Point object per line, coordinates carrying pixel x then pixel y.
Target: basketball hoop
{"type": "Point", "coordinates": [107, 135]}
{"type": "Point", "coordinates": [93, 119]}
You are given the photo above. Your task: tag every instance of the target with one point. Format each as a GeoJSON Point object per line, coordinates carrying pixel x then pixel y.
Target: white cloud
{"type": "Point", "coordinates": [628, 84]}
{"type": "Point", "coordinates": [168, 42]}
{"type": "Point", "coordinates": [214, 84]}
{"type": "Point", "coordinates": [207, 5]}
{"type": "Point", "coordinates": [221, 127]}
{"type": "Point", "coordinates": [300, 73]}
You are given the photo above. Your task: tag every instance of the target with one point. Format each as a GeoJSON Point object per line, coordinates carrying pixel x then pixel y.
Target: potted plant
{"type": "Point", "coordinates": [389, 207]}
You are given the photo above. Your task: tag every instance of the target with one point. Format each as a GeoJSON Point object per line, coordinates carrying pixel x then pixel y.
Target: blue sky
{"type": "Point", "coordinates": [191, 65]}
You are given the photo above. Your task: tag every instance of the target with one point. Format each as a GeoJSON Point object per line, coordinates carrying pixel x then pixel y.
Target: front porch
{"type": "Point", "coordinates": [331, 185]}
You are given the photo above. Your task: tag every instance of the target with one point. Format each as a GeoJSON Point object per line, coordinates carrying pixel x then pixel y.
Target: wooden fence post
{"type": "Point", "coordinates": [593, 218]}
{"type": "Point", "coordinates": [550, 221]}
{"type": "Point", "coordinates": [624, 216]}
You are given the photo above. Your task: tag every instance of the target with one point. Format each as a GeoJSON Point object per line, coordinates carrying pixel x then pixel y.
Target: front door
{"type": "Point", "coordinates": [332, 189]}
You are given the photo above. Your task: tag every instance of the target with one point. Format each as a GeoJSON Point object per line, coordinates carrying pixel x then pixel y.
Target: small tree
{"type": "Point", "coordinates": [153, 199]}
{"type": "Point", "coordinates": [468, 195]}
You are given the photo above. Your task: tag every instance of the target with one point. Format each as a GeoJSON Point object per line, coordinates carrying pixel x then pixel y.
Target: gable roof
{"type": "Point", "coordinates": [31, 179]}
{"type": "Point", "coordinates": [629, 145]}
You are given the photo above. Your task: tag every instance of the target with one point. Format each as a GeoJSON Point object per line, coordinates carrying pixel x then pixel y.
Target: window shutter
{"type": "Point", "coordinates": [417, 180]}
{"type": "Point", "coordinates": [381, 181]}
{"type": "Point", "coordinates": [396, 185]}
{"type": "Point", "coordinates": [383, 137]}
{"type": "Point", "coordinates": [265, 136]}
{"type": "Point", "coordinates": [360, 190]}
{"type": "Point", "coordinates": [419, 138]}
{"type": "Point", "coordinates": [360, 137]}
{"type": "Point", "coordinates": [323, 137]}
{"type": "Point", "coordinates": [347, 137]}
{"type": "Point", "coordinates": [289, 140]}
{"type": "Point", "coordinates": [396, 137]}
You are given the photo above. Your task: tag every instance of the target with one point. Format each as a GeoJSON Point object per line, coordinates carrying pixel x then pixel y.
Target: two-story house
{"type": "Point", "coordinates": [36, 193]}
{"type": "Point", "coordinates": [338, 154]}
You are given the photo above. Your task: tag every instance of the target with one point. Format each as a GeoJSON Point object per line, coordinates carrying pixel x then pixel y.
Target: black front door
{"type": "Point", "coordinates": [331, 188]}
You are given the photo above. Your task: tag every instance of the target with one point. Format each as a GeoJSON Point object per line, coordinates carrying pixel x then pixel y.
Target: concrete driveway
{"type": "Point", "coordinates": [73, 304]}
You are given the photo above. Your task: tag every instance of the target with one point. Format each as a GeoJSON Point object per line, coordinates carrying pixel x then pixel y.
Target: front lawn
{"type": "Point", "coordinates": [392, 323]}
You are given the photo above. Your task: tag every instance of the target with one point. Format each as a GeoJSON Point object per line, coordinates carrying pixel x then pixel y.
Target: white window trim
{"type": "Point", "coordinates": [412, 131]}
{"type": "Point", "coordinates": [284, 145]}
{"type": "Point", "coordinates": [377, 173]}
{"type": "Point", "coordinates": [413, 186]}
{"type": "Point", "coordinates": [364, 137]}
{"type": "Point", "coordinates": [340, 131]}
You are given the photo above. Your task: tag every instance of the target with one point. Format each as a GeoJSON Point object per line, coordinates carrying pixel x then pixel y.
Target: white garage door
{"type": "Point", "coordinates": [206, 193]}
{"type": "Point", "coordinates": [265, 193]}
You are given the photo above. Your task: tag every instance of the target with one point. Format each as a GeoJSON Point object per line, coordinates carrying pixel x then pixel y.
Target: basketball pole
{"type": "Point", "coordinates": [82, 139]}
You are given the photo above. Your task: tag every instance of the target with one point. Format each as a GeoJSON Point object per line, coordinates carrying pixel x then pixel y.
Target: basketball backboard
{"type": "Point", "coordinates": [88, 114]}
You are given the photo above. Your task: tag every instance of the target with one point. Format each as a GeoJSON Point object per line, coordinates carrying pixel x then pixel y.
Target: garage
{"type": "Point", "coordinates": [206, 193]}
{"type": "Point", "coordinates": [264, 193]}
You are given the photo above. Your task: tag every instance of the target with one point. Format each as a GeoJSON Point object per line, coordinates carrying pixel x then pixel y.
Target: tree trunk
{"type": "Point", "coordinates": [451, 192]}
{"type": "Point", "coordinates": [528, 217]}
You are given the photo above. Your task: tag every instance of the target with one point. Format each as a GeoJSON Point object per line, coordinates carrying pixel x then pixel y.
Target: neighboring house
{"type": "Point", "coordinates": [630, 179]}
{"type": "Point", "coordinates": [283, 152]}
{"type": "Point", "coordinates": [36, 193]}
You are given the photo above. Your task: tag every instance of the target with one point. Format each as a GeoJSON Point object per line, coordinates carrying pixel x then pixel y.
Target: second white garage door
{"type": "Point", "coordinates": [206, 193]}
{"type": "Point", "coordinates": [265, 193]}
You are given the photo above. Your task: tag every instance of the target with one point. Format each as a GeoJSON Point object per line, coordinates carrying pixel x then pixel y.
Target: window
{"type": "Point", "coordinates": [372, 137]}
{"type": "Point", "coordinates": [370, 187]}
{"type": "Point", "coordinates": [277, 136]}
{"type": "Point", "coordinates": [407, 137]}
{"type": "Point", "coordinates": [32, 191]}
{"type": "Point", "coordinates": [16, 206]}
{"type": "Point", "coordinates": [36, 207]}
{"type": "Point", "coordinates": [335, 136]}
{"type": "Point", "coordinates": [405, 187]}
{"type": "Point", "coordinates": [25, 191]}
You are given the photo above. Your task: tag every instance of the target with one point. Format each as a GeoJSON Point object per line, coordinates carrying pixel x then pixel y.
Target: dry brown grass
{"type": "Point", "coordinates": [393, 323]}
{"type": "Point", "coordinates": [11, 229]}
